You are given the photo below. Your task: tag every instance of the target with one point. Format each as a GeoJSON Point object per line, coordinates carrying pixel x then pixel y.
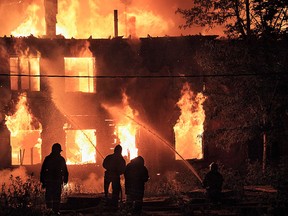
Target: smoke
{"type": "Point", "coordinates": [126, 2]}
{"type": "Point", "coordinates": [5, 94]}
{"type": "Point", "coordinates": [4, 99]}
{"type": "Point", "coordinates": [92, 184]}
{"type": "Point", "coordinates": [6, 175]}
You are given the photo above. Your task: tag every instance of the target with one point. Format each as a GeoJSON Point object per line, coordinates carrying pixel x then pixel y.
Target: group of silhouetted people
{"type": "Point", "coordinates": [135, 174]}
{"type": "Point", "coordinates": [54, 174]}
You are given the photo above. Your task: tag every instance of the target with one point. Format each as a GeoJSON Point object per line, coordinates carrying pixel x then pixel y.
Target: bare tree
{"type": "Point", "coordinates": [241, 18]}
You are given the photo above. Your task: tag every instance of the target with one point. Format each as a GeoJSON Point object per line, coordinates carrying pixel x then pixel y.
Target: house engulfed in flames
{"type": "Point", "coordinates": [147, 94]}
{"type": "Point", "coordinates": [90, 95]}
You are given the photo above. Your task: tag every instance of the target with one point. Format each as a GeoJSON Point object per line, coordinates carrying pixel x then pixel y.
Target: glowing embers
{"type": "Point", "coordinates": [25, 73]}
{"type": "Point", "coordinates": [80, 146]}
{"type": "Point", "coordinates": [80, 72]}
{"type": "Point", "coordinates": [25, 134]}
{"type": "Point", "coordinates": [189, 127]}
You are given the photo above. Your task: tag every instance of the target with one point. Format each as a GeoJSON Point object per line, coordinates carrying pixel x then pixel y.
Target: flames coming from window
{"type": "Point", "coordinates": [80, 146]}
{"type": "Point", "coordinates": [25, 134]}
{"type": "Point", "coordinates": [189, 127]}
{"type": "Point", "coordinates": [127, 129]}
{"type": "Point", "coordinates": [81, 72]}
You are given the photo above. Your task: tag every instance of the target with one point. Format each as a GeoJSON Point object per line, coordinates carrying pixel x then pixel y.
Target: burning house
{"type": "Point", "coordinates": [90, 95]}
{"type": "Point", "coordinates": [148, 94]}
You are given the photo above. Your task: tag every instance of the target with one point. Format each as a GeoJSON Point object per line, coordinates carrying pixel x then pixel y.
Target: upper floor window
{"type": "Point", "coordinates": [25, 73]}
{"type": "Point", "coordinates": [80, 72]}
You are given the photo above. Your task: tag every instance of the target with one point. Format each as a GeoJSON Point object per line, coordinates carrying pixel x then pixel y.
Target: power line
{"type": "Point", "coordinates": [146, 76]}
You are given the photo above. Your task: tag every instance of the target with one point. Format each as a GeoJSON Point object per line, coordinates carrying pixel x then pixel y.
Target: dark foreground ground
{"type": "Point", "coordinates": [254, 200]}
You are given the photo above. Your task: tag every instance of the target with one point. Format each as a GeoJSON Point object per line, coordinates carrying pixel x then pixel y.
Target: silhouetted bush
{"type": "Point", "coordinates": [19, 197]}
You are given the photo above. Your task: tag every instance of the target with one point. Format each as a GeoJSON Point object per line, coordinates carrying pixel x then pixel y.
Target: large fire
{"type": "Point", "coordinates": [82, 19]}
{"type": "Point", "coordinates": [80, 73]}
{"type": "Point", "coordinates": [189, 127]}
{"type": "Point", "coordinates": [32, 24]}
{"type": "Point", "coordinates": [25, 134]}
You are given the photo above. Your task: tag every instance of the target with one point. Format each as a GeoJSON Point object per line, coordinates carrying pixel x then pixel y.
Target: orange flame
{"type": "Point", "coordinates": [91, 18]}
{"type": "Point", "coordinates": [126, 130]}
{"type": "Point", "coordinates": [146, 22]}
{"type": "Point", "coordinates": [101, 26]}
{"type": "Point", "coordinates": [80, 146]}
{"type": "Point", "coordinates": [82, 67]}
{"type": "Point", "coordinates": [25, 134]}
{"type": "Point", "coordinates": [67, 18]}
{"type": "Point", "coordinates": [125, 127]}
{"type": "Point", "coordinates": [32, 23]}
{"type": "Point", "coordinates": [83, 70]}
{"type": "Point", "coordinates": [189, 127]}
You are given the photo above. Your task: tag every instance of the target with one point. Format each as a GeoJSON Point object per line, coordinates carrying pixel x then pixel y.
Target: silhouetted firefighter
{"type": "Point", "coordinates": [136, 174]}
{"type": "Point", "coordinates": [213, 182]}
{"type": "Point", "coordinates": [115, 166]}
{"type": "Point", "coordinates": [52, 176]}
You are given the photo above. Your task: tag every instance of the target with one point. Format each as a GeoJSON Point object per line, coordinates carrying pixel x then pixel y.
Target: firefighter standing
{"type": "Point", "coordinates": [213, 182]}
{"type": "Point", "coordinates": [136, 174]}
{"type": "Point", "coordinates": [52, 176]}
{"type": "Point", "coordinates": [115, 166]}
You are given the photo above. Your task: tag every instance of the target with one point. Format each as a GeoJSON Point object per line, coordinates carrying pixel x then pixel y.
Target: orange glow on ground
{"type": "Point", "coordinates": [25, 134]}
{"type": "Point", "coordinates": [189, 127]}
